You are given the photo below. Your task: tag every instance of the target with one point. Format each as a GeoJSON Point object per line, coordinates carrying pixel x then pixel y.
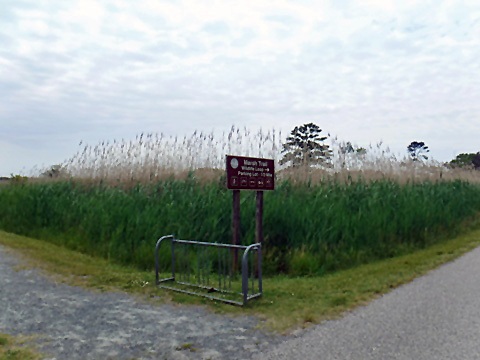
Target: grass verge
{"type": "Point", "coordinates": [288, 303]}
{"type": "Point", "coordinates": [12, 348]}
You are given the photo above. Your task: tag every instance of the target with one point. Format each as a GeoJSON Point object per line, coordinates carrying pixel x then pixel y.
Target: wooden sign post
{"type": "Point", "coordinates": [247, 173]}
{"type": "Point", "coordinates": [235, 225]}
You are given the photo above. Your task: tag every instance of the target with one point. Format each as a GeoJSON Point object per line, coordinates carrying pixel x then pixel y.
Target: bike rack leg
{"type": "Point", "coordinates": [157, 265]}
{"type": "Point", "coordinates": [245, 272]}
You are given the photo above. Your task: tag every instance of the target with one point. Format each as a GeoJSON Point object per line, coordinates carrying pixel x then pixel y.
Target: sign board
{"type": "Point", "coordinates": [247, 173]}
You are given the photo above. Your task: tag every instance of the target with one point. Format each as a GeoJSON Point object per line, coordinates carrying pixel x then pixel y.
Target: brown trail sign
{"type": "Point", "coordinates": [247, 173]}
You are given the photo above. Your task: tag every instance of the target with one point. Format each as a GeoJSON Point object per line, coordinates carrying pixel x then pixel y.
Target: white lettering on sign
{"type": "Point", "coordinates": [251, 163]}
{"type": "Point", "coordinates": [248, 168]}
{"type": "Point", "coordinates": [243, 173]}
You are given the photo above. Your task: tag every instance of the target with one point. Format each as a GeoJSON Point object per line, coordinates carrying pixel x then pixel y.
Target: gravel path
{"type": "Point", "coordinates": [434, 317]}
{"type": "Point", "coordinates": [74, 323]}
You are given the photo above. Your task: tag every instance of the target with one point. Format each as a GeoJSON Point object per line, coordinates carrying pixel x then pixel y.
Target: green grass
{"type": "Point", "coordinates": [288, 302]}
{"type": "Point", "coordinates": [309, 228]}
{"type": "Point", "coordinates": [13, 348]}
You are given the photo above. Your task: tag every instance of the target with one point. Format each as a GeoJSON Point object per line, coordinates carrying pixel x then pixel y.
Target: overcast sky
{"type": "Point", "coordinates": [365, 71]}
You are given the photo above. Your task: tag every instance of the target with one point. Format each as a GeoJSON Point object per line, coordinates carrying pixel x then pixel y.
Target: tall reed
{"type": "Point", "coordinates": [151, 157]}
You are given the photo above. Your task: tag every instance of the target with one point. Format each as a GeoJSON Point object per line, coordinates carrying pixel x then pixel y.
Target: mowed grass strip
{"type": "Point", "coordinates": [288, 303]}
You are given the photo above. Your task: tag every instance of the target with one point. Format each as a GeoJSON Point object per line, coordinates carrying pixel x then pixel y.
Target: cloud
{"type": "Point", "coordinates": [366, 71]}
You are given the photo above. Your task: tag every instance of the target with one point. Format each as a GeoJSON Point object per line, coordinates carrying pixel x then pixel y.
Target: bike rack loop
{"type": "Point", "coordinates": [245, 267]}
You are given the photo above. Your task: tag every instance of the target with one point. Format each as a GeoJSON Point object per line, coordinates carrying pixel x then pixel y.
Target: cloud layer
{"type": "Point", "coordinates": [91, 70]}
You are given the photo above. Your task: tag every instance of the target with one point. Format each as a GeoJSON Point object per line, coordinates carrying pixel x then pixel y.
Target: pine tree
{"type": "Point", "coordinates": [305, 147]}
{"type": "Point", "coordinates": [418, 150]}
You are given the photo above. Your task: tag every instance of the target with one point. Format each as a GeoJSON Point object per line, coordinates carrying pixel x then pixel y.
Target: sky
{"type": "Point", "coordinates": [364, 71]}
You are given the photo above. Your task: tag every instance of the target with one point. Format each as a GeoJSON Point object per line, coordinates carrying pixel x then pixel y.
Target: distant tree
{"type": "Point", "coordinates": [55, 171]}
{"type": "Point", "coordinates": [476, 161]}
{"type": "Point", "coordinates": [463, 160]}
{"type": "Point", "coordinates": [305, 147]}
{"type": "Point", "coordinates": [348, 148]}
{"type": "Point", "coordinates": [417, 150]}
{"type": "Point", "coordinates": [18, 179]}
{"type": "Point", "coordinates": [347, 152]}
{"type": "Point", "coordinates": [361, 150]}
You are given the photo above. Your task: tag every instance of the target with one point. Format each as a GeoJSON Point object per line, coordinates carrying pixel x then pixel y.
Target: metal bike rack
{"type": "Point", "coordinates": [209, 270]}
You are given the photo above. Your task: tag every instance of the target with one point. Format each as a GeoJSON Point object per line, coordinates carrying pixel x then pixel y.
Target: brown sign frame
{"type": "Point", "coordinates": [249, 173]}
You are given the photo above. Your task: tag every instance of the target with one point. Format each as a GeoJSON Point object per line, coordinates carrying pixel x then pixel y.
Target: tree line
{"type": "Point", "coordinates": [305, 146]}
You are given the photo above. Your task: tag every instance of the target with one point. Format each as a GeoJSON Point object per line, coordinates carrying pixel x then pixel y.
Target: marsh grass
{"type": "Point", "coordinates": [309, 228]}
{"type": "Point", "coordinates": [150, 157]}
